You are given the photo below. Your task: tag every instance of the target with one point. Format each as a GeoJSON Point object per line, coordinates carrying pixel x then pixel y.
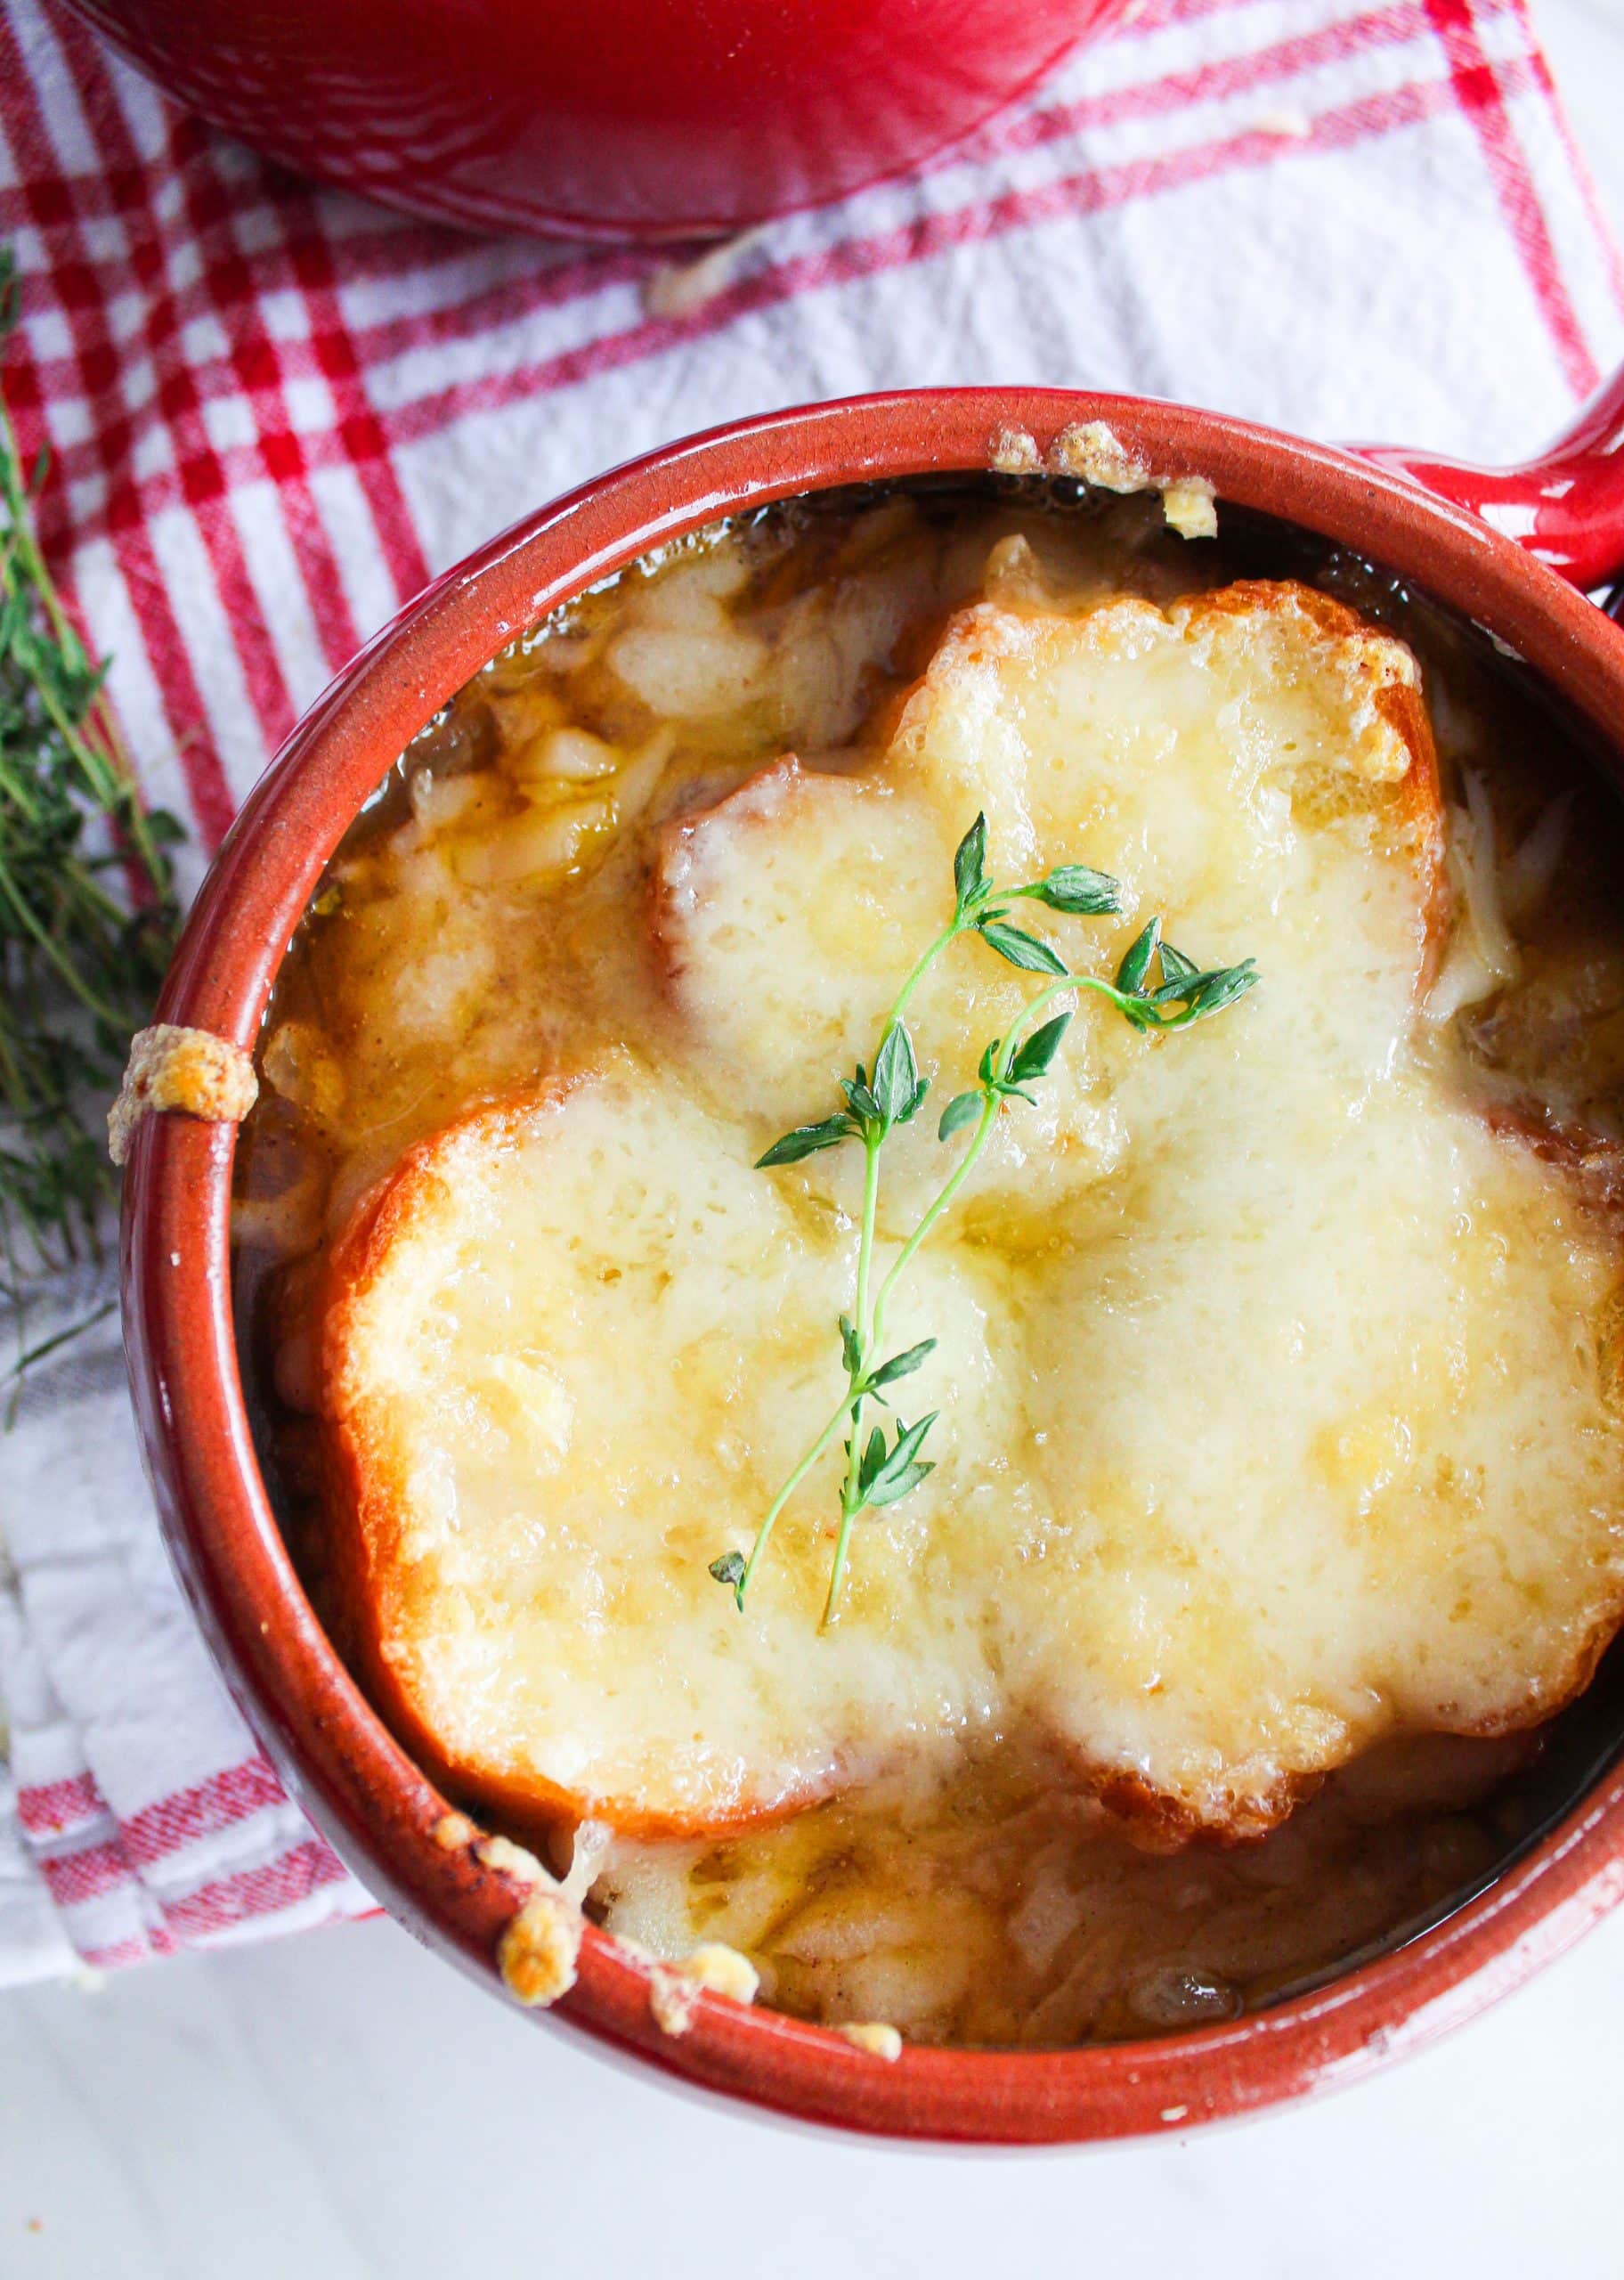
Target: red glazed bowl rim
{"type": "Point", "coordinates": [335, 1754]}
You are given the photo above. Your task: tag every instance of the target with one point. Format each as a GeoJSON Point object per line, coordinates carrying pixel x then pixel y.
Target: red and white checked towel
{"type": "Point", "coordinates": [275, 412]}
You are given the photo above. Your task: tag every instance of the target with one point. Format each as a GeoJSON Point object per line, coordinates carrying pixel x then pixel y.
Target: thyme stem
{"type": "Point", "coordinates": [922, 966]}
{"type": "Point", "coordinates": [765, 1531]}
{"type": "Point", "coordinates": [875, 1106]}
{"type": "Point", "coordinates": [873, 1144]}
{"type": "Point", "coordinates": [850, 1505]}
{"type": "Point", "coordinates": [936, 1210]}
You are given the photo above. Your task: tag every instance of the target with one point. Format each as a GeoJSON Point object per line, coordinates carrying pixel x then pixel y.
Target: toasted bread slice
{"type": "Point", "coordinates": [1215, 756]}
{"type": "Point", "coordinates": [1360, 1470]}
{"type": "Point", "coordinates": [574, 1349]}
{"type": "Point", "coordinates": [1190, 745]}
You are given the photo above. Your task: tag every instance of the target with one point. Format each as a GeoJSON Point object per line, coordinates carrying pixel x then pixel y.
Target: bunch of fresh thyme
{"type": "Point", "coordinates": [878, 1474]}
{"type": "Point", "coordinates": [88, 905]}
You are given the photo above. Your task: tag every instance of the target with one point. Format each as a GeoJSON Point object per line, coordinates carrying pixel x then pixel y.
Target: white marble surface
{"type": "Point", "coordinates": [342, 2108]}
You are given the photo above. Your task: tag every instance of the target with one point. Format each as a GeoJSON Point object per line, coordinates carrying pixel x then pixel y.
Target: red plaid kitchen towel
{"type": "Point", "coordinates": [274, 413]}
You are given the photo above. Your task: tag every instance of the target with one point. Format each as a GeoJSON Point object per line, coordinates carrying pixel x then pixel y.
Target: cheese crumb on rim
{"type": "Point", "coordinates": [172, 1067]}
{"type": "Point", "coordinates": [1093, 452]}
{"type": "Point", "coordinates": [1015, 452]}
{"type": "Point", "coordinates": [674, 1988]}
{"type": "Point", "coordinates": [539, 1951]}
{"type": "Point", "coordinates": [511, 1860]}
{"type": "Point", "coordinates": [873, 2036]}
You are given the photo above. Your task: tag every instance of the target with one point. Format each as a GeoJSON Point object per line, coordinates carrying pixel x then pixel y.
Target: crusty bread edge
{"type": "Point", "coordinates": [361, 1505]}
{"type": "Point", "coordinates": [1404, 710]}
{"type": "Point", "coordinates": [1402, 707]}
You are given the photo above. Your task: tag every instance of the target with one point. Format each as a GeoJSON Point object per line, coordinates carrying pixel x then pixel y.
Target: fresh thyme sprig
{"type": "Point", "coordinates": [87, 904]}
{"type": "Point", "coordinates": [1185, 992]}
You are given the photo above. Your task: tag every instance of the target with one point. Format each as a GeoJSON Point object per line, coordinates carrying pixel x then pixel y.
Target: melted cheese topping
{"type": "Point", "coordinates": [566, 1384]}
{"type": "Point", "coordinates": [1277, 1390]}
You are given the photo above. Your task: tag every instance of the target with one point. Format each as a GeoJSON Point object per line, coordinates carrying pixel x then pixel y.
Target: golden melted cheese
{"type": "Point", "coordinates": [565, 1383]}
{"type": "Point", "coordinates": [1276, 1387]}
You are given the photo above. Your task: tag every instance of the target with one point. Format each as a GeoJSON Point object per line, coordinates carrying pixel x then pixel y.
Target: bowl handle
{"type": "Point", "coordinates": [1566, 505]}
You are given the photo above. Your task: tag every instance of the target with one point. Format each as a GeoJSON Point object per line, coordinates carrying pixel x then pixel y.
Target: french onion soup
{"type": "Point", "coordinates": [930, 1263]}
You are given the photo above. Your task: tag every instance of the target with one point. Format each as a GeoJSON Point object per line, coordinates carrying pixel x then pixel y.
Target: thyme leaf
{"type": "Point", "coordinates": [900, 1366]}
{"type": "Point", "coordinates": [898, 1087]}
{"type": "Point", "coordinates": [1076, 890]}
{"type": "Point", "coordinates": [1131, 974]}
{"type": "Point", "coordinates": [1022, 950]}
{"type": "Point", "coordinates": [886, 1478]}
{"type": "Point", "coordinates": [969, 866]}
{"type": "Point", "coordinates": [806, 1140]}
{"type": "Point", "coordinates": [1034, 1057]}
{"type": "Point", "coordinates": [729, 1569]}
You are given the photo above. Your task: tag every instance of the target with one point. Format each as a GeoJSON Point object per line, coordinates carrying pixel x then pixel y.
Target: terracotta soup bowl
{"type": "Point", "coordinates": [1511, 549]}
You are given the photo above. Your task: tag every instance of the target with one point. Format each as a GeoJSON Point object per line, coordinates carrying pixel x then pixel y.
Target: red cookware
{"type": "Point", "coordinates": [630, 118]}
{"type": "Point", "coordinates": [1501, 548]}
